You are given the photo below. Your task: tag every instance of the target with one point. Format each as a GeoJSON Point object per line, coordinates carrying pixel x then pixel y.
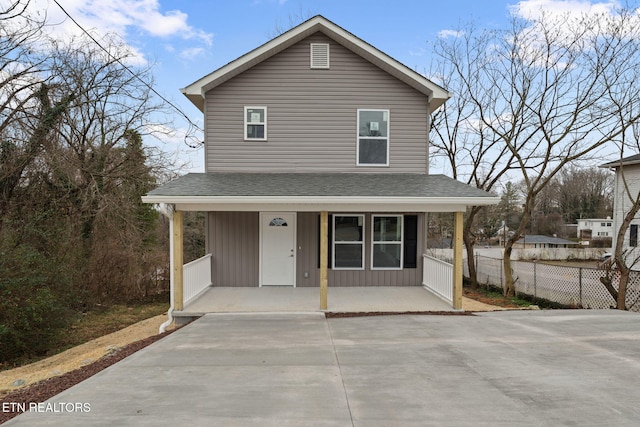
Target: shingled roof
{"type": "Point", "coordinates": [631, 160]}
{"type": "Point", "coordinates": [320, 188]}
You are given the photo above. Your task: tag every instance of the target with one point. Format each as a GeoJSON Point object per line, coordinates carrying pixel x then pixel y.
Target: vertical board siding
{"type": "Point", "coordinates": [307, 260]}
{"type": "Point", "coordinates": [308, 245]}
{"type": "Point", "coordinates": [234, 245]}
{"type": "Point", "coordinates": [312, 115]}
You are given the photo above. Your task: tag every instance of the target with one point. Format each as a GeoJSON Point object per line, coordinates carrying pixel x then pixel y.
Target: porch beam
{"type": "Point", "coordinates": [457, 260]}
{"type": "Point", "coordinates": [178, 261]}
{"type": "Point", "coordinates": [324, 258]}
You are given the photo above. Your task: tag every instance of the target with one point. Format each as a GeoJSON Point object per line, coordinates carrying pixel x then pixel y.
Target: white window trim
{"type": "Point", "coordinates": [247, 123]}
{"type": "Point", "coordinates": [401, 243]}
{"type": "Point", "coordinates": [333, 241]}
{"type": "Point", "coordinates": [358, 137]}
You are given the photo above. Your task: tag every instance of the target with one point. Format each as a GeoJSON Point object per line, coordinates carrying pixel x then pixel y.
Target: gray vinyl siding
{"type": "Point", "coordinates": [307, 259]}
{"type": "Point", "coordinates": [234, 244]}
{"type": "Point", "coordinates": [312, 115]}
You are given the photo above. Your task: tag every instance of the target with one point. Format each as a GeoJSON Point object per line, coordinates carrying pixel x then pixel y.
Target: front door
{"type": "Point", "coordinates": [277, 248]}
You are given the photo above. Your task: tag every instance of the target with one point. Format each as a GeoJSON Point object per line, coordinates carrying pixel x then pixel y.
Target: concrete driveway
{"type": "Point", "coordinates": [299, 369]}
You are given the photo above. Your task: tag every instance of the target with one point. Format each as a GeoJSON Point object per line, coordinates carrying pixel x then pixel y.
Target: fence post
{"type": "Point", "coordinates": [580, 284]}
{"type": "Point", "coordinates": [535, 279]}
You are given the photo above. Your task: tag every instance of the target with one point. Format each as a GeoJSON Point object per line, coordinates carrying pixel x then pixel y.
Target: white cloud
{"type": "Point", "coordinates": [569, 17]}
{"type": "Point", "coordinates": [450, 33]}
{"type": "Point", "coordinates": [122, 17]}
{"type": "Point", "coordinates": [532, 9]}
{"type": "Point", "coordinates": [192, 52]}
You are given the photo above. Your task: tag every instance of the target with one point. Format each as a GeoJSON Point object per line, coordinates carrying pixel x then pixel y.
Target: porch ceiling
{"type": "Point", "coordinates": [313, 192]}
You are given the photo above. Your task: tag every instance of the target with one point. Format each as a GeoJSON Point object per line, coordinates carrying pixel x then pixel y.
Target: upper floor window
{"type": "Point", "coordinates": [255, 123]}
{"type": "Point", "coordinates": [373, 138]}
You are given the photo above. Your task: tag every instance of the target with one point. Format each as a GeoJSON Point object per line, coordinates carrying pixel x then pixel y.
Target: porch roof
{"type": "Point", "coordinates": [319, 191]}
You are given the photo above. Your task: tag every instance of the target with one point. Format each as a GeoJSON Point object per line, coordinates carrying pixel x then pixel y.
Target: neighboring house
{"type": "Point", "coordinates": [626, 170]}
{"type": "Point", "coordinates": [536, 241]}
{"type": "Point", "coordinates": [503, 233]}
{"type": "Point", "coordinates": [316, 160]}
{"type": "Point", "coordinates": [590, 228]}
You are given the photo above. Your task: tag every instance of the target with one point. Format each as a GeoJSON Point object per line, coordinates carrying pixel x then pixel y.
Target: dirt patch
{"type": "Point", "coordinates": [477, 299]}
{"type": "Point", "coordinates": [78, 356]}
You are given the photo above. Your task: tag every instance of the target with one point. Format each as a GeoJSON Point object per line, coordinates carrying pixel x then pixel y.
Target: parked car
{"type": "Point", "coordinates": [606, 261]}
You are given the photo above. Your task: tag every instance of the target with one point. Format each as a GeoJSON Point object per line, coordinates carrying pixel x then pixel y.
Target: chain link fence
{"type": "Point", "coordinates": [570, 286]}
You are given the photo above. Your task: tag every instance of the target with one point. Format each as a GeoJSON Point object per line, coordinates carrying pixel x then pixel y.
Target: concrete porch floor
{"type": "Point", "coordinates": [288, 299]}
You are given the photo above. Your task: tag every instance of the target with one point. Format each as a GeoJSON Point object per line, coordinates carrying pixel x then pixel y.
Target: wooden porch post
{"type": "Point", "coordinates": [457, 260]}
{"type": "Point", "coordinates": [324, 258]}
{"type": "Point", "coordinates": [178, 261]}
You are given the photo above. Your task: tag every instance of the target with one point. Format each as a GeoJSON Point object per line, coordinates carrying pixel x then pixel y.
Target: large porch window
{"type": "Point", "coordinates": [387, 242]}
{"type": "Point", "coordinates": [348, 242]}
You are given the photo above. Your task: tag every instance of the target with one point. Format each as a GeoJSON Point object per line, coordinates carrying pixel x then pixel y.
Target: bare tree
{"type": "Point", "coordinates": [28, 111]}
{"type": "Point", "coordinates": [475, 154]}
{"type": "Point", "coordinates": [552, 91]}
{"type": "Point", "coordinates": [97, 162]}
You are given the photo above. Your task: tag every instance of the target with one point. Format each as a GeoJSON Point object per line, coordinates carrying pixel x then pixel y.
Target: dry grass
{"type": "Point", "coordinates": [93, 324]}
{"type": "Point", "coordinates": [106, 320]}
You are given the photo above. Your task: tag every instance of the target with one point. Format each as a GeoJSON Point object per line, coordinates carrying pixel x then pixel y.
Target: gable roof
{"type": "Point", "coordinates": [309, 191]}
{"type": "Point", "coordinates": [196, 90]}
{"type": "Point", "coordinates": [631, 160]}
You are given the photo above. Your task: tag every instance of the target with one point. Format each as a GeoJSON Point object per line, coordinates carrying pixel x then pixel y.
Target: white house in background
{"type": "Point", "coordinates": [594, 228]}
{"type": "Point", "coordinates": [536, 241]}
{"type": "Point", "coordinates": [626, 170]}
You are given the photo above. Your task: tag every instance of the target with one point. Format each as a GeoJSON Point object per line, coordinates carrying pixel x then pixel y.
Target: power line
{"type": "Point", "coordinates": [192, 125]}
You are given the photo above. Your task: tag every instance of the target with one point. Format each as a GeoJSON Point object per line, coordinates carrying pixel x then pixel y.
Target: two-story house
{"type": "Point", "coordinates": [593, 229]}
{"type": "Point", "coordinates": [317, 167]}
{"type": "Point", "coordinates": [626, 187]}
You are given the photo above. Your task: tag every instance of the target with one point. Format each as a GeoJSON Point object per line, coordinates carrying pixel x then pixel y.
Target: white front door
{"type": "Point", "coordinates": [278, 249]}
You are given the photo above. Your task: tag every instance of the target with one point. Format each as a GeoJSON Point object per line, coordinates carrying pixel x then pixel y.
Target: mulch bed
{"type": "Point", "coordinates": [330, 315]}
{"type": "Point", "coordinates": [39, 392]}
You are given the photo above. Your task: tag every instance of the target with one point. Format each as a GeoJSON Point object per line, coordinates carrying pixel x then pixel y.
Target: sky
{"type": "Point", "coordinates": [185, 40]}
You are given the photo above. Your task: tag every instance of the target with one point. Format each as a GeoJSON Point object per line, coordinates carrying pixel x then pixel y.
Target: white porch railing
{"type": "Point", "coordinates": [196, 277]}
{"type": "Point", "coordinates": [437, 276]}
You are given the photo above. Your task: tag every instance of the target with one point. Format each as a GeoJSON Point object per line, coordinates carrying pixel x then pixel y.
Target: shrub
{"type": "Point", "coordinates": [33, 302]}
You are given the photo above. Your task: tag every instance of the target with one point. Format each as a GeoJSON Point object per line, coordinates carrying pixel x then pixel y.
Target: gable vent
{"type": "Point", "coordinates": [319, 55]}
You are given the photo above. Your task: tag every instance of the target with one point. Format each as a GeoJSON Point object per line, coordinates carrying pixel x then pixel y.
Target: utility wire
{"type": "Point", "coordinates": [192, 125]}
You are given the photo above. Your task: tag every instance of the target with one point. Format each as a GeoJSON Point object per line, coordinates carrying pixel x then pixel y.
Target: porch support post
{"type": "Point", "coordinates": [324, 258]}
{"type": "Point", "coordinates": [178, 261]}
{"type": "Point", "coordinates": [457, 260]}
